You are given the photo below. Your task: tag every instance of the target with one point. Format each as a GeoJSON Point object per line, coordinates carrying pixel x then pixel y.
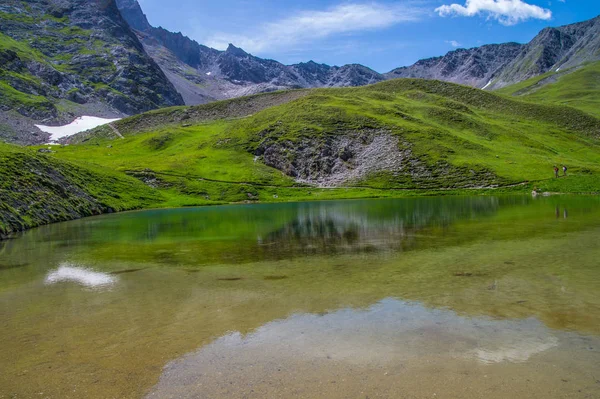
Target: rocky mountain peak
{"type": "Point", "coordinates": [551, 50]}
{"type": "Point", "coordinates": [235, 51]}
{"type": "Point", "coordinates": [133, 14]}
{"type": "Point", "coordinates": [222, 74]}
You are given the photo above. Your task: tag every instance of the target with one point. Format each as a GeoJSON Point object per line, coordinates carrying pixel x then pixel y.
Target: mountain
{"type": "Point", "coordinates": [473, 67]}
{"type": "Point", "coordinates": [202, 74]}
{"type": "Point", "coordinates": [553, 49]}
{"type": "Point", "coordinates": [499, 65]}
{"type": "Point", "coordinates": [65, 58]}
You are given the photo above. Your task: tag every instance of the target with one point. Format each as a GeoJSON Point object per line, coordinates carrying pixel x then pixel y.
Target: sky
{"type": "Point", "coordinates": [381, 34]}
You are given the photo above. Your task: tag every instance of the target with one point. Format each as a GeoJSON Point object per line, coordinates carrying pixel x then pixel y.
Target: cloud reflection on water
{"type": "Point", "coordinates": [387, 334]}
{"type": "Point", "coordinates": [68, 272]}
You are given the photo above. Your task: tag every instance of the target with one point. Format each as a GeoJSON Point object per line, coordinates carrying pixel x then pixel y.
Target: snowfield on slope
{"type": "Point", "coordinates": [80, 124]}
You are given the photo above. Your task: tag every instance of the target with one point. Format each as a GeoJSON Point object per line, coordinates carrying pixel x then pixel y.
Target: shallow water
{"type": "Point", "coordinates": [451, 297]}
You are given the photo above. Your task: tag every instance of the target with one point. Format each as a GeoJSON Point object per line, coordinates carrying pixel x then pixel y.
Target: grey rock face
{"type": "Point", "coordinates": [350, 158]}
{"type": "Point", "coordinates": [473, 67]}
{"type": "Point", "coordinates": [338, 160]}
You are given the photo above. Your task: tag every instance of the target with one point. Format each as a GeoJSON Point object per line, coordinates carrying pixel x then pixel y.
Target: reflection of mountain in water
{"type": "Point", "coordinates": [373, 225]}
{"type": "Point", "coordinates": [241, 234]}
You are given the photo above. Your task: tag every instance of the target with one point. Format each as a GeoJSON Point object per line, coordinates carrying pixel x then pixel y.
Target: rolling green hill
{"type": "Point", "coordinates": [400, 137]}
{"type": "Point", "coordinates": [433, 135]}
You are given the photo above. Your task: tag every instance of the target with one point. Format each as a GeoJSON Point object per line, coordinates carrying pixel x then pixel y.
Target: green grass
{"type": "Point", "coordinates": [36, 189]}
{"type": "Point", "coordinates": [462, 135]}
{"type": "Point", "coordinates": [578, 89]}
{"type": "Point", "coordinates": [12, 97]}
{"type": "Point", "coordinates": [23, 49]}
{"type": "Point", "coordinates": [469, 130]}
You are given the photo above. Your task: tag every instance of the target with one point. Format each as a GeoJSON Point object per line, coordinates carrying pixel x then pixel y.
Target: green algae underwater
{"type": "Point", "coordinates": [399, 298]}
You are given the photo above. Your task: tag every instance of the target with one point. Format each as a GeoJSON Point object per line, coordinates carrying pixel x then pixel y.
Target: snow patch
{"type": "Point", "coordinates": [80, 124]}
{"type": "Point", "coordinates": [557, 69]}
{"type": "Point", "coordinates": [208, 73]}
{"type": "Point", "coordinates": [69, 273]}
{"type": "Point", "coordinates": [487, 85]}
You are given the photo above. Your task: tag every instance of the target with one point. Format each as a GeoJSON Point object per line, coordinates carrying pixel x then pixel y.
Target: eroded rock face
{"type": "Point", "coordinates": [336, 160]}
{"type": "Point", "coordinates": [349, 159]}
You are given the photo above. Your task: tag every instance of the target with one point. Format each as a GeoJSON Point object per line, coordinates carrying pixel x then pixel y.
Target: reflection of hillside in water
{"type": "Point", "coordinates": [354, 227]}
{"type": "Point", "coordinates": [242, 234]}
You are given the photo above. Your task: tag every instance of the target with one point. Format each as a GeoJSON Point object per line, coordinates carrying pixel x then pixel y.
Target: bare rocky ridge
{"type": "Point", "coordinates": [202, 74]}
{"type": "Point", "coordinates": [498, 65]}
{"type": "Point", "coordinates": [474, 67]}
{"type": "Point", "coordinates": [553, 49]}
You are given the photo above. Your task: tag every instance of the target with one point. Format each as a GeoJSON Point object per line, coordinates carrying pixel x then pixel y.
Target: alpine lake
{"type": "Point", "coordinates": [441, 297]}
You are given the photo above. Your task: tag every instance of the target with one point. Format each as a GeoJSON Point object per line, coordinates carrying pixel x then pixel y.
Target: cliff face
{"type": "Point", "coordinates": [65, 58]}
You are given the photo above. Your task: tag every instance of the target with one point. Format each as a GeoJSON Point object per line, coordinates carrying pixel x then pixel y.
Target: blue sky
{"type": "Point", "coordinates": [381, 34]}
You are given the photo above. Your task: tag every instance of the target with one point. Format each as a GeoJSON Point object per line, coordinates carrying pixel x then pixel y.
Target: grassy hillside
{"type": "Point", "coordinates": [442, 135]}
{"type": "Point", "coordinates": [403, 137]}
{"type": "Point", "coordinates": [37, 189]}
{"type": "Point", "coordinates": [578, 88]}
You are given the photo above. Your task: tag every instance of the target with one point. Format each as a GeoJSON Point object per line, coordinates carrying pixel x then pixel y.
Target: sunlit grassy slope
{"type": "Point", "coordinates": [36, 189]}
{"type": "Point", "coordinates": [579, 89]}
{"type": "Point", "coordinates": [464, 138]}
{"type": "Point", "coordinates": [444, 124]}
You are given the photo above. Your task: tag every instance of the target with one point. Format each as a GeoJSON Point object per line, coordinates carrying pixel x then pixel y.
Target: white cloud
{"type": "Point", "coordinates": [308, 26]}
{"type": "Point", "coordinates": [453, 43]}
{"type": "Point", "coordinates": [507, 12]}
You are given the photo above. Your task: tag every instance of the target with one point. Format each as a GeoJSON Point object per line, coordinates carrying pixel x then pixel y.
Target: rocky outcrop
{"type": "Point", "coordinates": [351, 158]}
{"type": "Point", "coordinates": [64, 58]}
